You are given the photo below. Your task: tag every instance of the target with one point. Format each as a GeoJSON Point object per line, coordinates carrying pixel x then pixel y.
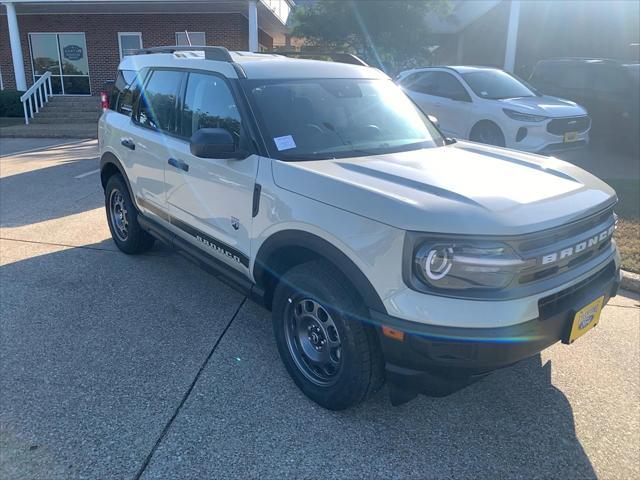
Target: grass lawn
{"type": "Point", "coordinates": [628, 233]}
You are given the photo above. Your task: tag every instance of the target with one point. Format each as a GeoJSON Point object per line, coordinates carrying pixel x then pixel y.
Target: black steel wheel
{"type": "Point", "coordinates": [122, 218]}
{"type": "Point", "coordinates": [323, 338]}
{"type": "Point", "coordinates": [313, 340]}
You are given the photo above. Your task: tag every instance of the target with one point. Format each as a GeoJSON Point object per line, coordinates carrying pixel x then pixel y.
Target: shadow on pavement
{"type": "Point", "coordinates": [22, 195]}
{"type": "Point", "coordinates": [246, 419]}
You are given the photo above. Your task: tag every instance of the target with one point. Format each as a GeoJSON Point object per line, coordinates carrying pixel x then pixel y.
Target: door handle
{"type": "Point", "coordinates": [127, 142]}
{"type": "Point", "coordinates": [178, 164]}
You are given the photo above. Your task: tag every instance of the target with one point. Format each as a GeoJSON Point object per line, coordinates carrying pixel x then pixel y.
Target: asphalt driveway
{"type": "Point", "coordinates": [115, 366]}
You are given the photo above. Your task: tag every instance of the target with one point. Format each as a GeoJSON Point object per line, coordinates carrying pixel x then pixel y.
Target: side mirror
{"type": "Point", "coordinates": [214, 143]}
{"type": "Point", "coordinates": [434, 120]}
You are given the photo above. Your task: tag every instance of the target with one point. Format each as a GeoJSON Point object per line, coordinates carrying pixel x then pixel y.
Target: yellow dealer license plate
{"type": "Point", "coordinates": [570, 137]}
{"type": "Point", "coordinates": [585, 319]}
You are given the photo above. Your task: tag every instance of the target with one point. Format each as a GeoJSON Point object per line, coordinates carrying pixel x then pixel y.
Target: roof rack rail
{"type": "Point", "coordinates": [339, 57]}
{"type": "Point", "coordinates": [220, 54]}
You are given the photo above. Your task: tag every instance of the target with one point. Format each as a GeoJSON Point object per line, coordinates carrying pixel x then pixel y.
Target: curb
{"type": "Point", "coordinates": [630, 281]}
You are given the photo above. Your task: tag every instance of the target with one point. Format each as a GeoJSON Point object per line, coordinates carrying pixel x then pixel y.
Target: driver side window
{"type": "Point", "coordinates": [208, 103]}
{"type": "Point", "coordinates": [448, 86]}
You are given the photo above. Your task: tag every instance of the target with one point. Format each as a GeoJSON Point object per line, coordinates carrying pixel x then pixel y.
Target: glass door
{"type": "Point", "coordinates": [65, 56]}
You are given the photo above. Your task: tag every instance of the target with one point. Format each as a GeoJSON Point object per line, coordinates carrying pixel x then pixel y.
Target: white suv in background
{"type": "Point", "coordinates": [489, 105]}
{"type": "Point", "coordinates": [382, 249]}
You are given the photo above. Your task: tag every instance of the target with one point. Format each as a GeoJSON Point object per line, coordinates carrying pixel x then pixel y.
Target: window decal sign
{"type": "Point", "coordinates": [284, 143]}
{"type": "Point", "coordinates": [73, 52]}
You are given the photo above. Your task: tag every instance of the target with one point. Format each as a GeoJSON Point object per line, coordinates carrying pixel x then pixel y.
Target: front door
{"type": "Point", "coordinates": [210, 199]}
{"type": "Point", "coordinates": [65, 56]}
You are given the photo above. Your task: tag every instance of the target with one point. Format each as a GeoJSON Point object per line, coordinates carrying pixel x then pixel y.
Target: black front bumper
{"type": "Point", "coordinates": [439, 360]}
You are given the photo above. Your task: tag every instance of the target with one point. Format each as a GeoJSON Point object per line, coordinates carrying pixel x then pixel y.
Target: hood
{"type": "Point", "coordinates": [545, 105]}
{"type": "Point", "coordinates": [465, 188]}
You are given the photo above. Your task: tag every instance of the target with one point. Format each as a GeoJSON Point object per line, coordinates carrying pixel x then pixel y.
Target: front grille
{"type": "Point", "coordinates": [560, 126]}
{"type": "Point", "coordinates": [575, 229]}
{"type": "Point", "coordinates": [560, 301]}
{"type": "Point", "coordinates": [569, 244]}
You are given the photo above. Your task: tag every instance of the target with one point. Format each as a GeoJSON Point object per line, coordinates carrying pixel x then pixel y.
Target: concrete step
{"type": "Point", "coordinates": [63, 120]}
{"type": "Point", "coordinates": [49, 131]}
{"type": "Point", "coordinates": [90, 102]}
{"type": "Point", "coordinates": [59, 99]}
{"type": "Point", "coordinates": [57, 109]}
{"type": "Point", "coordinates": [88, 116]}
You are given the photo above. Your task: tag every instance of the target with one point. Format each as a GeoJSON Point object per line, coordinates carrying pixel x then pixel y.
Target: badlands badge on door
{"type": "Point", "coordinates": [585, 319]}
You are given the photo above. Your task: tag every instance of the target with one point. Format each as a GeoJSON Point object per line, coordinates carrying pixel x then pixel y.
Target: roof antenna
{"type": "Point", "coordinates": [188, 39]}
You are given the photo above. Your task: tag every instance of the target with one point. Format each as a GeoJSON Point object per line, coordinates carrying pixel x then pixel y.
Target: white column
{"type": "Point", "coordinates": [16, 48]}
{"type": "Point", "coordinates": [512, 36]}
{"type": "Point", "coordinates": [253, 25]}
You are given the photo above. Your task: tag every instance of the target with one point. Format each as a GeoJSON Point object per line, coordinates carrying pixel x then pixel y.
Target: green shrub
{"type": "Point", "coordinates": [10, 104]}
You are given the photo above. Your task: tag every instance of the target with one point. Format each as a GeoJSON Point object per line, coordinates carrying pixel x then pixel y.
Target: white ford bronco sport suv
{"type": "Point", "coordinates": [382, 249]}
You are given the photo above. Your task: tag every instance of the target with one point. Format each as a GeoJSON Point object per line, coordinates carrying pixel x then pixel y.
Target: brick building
{"type": "Point", "coordinates": [82, 42]}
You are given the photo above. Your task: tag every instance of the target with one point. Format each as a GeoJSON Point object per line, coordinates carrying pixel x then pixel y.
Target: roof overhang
{"type": "Point", "coordinates": [272, 14]}
{"type": "Point", "coordinates": [462, 14]}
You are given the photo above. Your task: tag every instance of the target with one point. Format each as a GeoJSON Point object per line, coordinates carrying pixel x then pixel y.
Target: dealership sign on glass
{"type": "Point", "coordinates": [72, 52]}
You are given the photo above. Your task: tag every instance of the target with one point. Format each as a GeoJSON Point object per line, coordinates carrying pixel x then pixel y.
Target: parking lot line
{"type": "Point", "coordinates": [86, 174]}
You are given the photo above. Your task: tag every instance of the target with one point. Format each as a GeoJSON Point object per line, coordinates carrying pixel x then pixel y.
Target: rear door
{"type": "Point", "coordinates": [210, 199]}
{"type": "Point", "coordinates": [440, 94]}
{"type": "Point", "coordinates": [613, 92]}
{"type": "Point", "coordinates": [151, 139]}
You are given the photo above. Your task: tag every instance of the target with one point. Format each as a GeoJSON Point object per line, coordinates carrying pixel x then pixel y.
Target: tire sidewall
{"type": "Point", "coordinates": [133, 241]}
{"type": "Point", "coordinates": [487, 126]}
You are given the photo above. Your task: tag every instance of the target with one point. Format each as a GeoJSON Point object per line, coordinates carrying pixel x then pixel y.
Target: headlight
{"type": "Point", "coordinates": [466, 265]}
{"type": "Point", "coordinates": [523, 117]}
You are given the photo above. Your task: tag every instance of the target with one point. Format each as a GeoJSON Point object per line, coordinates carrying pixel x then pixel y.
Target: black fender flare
{"type": "Point", "coordinates": [109, 161]}
{"type": "Point", "coordinates": [320, 248]}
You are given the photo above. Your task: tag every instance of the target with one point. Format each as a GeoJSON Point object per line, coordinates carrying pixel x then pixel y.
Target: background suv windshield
{"type": "Point", "coordinates": [496, 84]}
{"type": "Point", "coordinates": [327, 118]}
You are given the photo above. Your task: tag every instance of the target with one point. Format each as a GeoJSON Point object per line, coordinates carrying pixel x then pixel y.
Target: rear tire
{"type": "Point", "coordinates": [333, 357]}
{"type": "Point", "coordinates": [122, 217]}
{"type": "Point", "coordinates": [487, 132]}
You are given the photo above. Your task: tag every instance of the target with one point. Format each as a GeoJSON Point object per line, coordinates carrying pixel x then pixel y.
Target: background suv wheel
{"type": "Point", "coordinates": [487, 132]}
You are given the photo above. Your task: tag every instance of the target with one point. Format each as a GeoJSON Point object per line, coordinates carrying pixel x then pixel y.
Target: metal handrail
{"type": "Point", "coordinates": [36, 96]}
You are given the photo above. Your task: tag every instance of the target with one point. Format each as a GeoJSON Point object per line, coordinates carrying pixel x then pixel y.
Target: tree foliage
{"type": "Point", "coordinates": [391, 34]}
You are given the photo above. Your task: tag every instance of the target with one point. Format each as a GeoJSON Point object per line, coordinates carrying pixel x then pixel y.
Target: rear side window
{"type": "Point", "coordinates": [208, 103]}
{"type": "Point", "coordinates": [573, 76]}
{"type": "Point", "coordinates": [542, 74]}
{"type": "Point", "coordinates": [125, 92]}
{"type": "Point", "coordinates": [610, 79]}
{"type": "Point", "coordinates": [157, 108]}
{"type": "Point", "coordinates": [448, 86]}
{"type": "Point", "coordinates": [561, 74]}
{"type": "Point", "coordinates": [122, 82]}
{"type": "Point", "coordinates": [420, 82]}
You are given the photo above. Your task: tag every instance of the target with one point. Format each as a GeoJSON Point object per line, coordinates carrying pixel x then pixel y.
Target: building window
{"type": "Point", "coordinates": [129, 43]}
{"type": "Point", "coordinates": [193, 38]}
{"type": "Point", "coordinates": [64, 55]}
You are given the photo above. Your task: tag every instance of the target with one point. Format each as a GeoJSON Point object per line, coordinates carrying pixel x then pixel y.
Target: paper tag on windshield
{"type": "Point", "coordinates": [284, 143]}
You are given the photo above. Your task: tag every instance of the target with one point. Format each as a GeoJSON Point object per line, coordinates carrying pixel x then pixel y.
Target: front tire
{"type": "Point", "coordinates": [333, 357]}
{"type": "Point", "coordinates": [487, 132]}
{"type": "Point", "coordinates": [122, 217]}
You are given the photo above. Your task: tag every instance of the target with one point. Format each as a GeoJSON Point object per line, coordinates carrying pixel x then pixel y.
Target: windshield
{"type": "Point", "coordinates": [496, 84]}
{"type": "Point", "coordinates": [330, 118]}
